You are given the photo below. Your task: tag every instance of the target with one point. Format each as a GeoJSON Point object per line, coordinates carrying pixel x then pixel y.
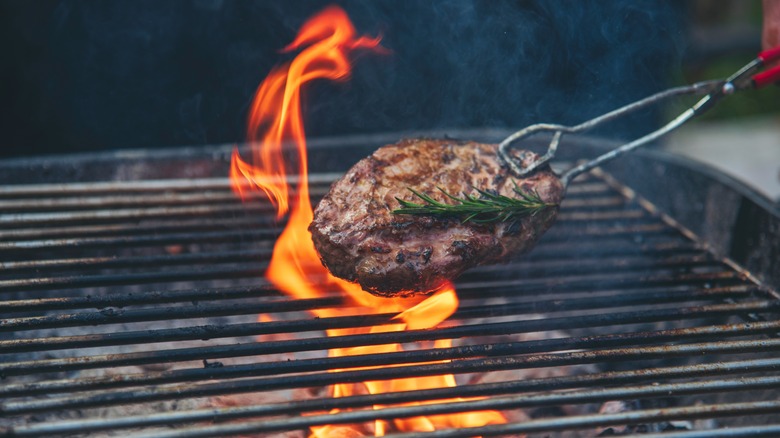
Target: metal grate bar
{"type": "Point", "coordinates": [47, 210]}
{"type": "Point", "coordinates": [102, 216]}
{"type": "Point", "coordinates": [253, 329]}
{"type": "Point", "coordinates": [148, 240]}
{"type": "Point", "coordinates": [552, 399]}
{"type": "Point", "coordinates": [734, 432]}
{"type": "Point", "coordinates": [243, 269]}
{"type": "Point", "coordinates": [115, 316]}
{"type": "Point", "coordinates": [137, 186]}
{"type": "Point", "coordinates": [144, 298]}
{"type": "Point", "coordinates": [225, 219]}
{"type": "Point", "coordinates": [689, 412]}
{"type": "Point", "coordinates": [240, 271]}
{"type": "Point", "coordinates": [381, 370]}
{"type": "Point", "coordinates": [563, 233]}
{"type": "Point", "coordinates": [580, 421]}
{"type": "Point", "coordinates": [280, 347]}
{"type": "Point", "coordinates": [632, 263]}
{"type": "Point", "coordinates": [134, 228]}
{"type": "Point", "coordinates": [100, 263]}
{"type": "Point", "coordinates": [676, 260]}
{"type": "Point", "coordinates": [114, 201]}
{"type": "Point", "coordinates": [188, 296]}
{"type": "Point", "coordinates": [585, 184]}
{"type": "Point", "coordinates": [526, 347]}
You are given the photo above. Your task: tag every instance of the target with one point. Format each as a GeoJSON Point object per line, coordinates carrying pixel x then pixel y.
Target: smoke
{"type": "Point", "coordinates": [507, 64]}
{"type": "Point", "coordinates": [88, 75]}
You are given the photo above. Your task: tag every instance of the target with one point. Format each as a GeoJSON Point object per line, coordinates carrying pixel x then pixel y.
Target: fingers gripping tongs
{"type": "Point", "coordinates": [747, 77]}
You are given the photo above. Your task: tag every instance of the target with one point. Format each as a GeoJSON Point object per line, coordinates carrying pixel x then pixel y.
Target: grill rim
{"type": "Point", "coordinates": [323, 145]}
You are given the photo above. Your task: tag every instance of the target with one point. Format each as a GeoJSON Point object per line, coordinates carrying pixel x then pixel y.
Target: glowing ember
{"type": "Point", "coordinates": [326, 41]}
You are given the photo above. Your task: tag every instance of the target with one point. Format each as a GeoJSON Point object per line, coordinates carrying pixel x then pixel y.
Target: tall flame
{"type": "Point", "coordinates": [326, 42]}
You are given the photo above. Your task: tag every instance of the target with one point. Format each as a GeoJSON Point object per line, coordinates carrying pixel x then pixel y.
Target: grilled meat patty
{"type": "Point", "coordinates": [359, 238]}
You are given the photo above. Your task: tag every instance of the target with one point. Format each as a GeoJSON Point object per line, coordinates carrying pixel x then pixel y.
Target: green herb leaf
{"type": "Point", "coordinates": [486, 208]}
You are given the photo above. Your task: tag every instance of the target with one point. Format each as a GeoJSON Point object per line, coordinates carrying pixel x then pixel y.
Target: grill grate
{"type": "Point", "coordinates": [130, 308]}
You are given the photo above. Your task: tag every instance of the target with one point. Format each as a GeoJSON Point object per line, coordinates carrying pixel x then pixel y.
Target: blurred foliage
{"type": "Point", "coordinates": [764, 101]}
{"type": "Point", "coordinates": [718, 17]}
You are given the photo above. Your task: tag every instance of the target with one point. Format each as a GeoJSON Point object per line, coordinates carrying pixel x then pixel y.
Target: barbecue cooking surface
{"type": "Point", "coordinates": [130, 308]}
{"type": "Point", "coordinates": [359, 238]}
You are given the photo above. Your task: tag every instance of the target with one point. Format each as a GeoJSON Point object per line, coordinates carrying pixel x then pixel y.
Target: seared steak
{"type": "Point", "coordinates": [361, 240]}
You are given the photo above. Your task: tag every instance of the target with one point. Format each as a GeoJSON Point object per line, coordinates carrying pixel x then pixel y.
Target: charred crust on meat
{"type": "Point", "coordinates": [448, 156]}
{"type": "Point", "coordinates": [427, 222]}
{"type": "Point", "coordinates": [380, 249]}
{"type": "Point", "coordinates": [474, 165]}
{"type": "Point", "coordinates": [374, 205]}
{"type": "Point", "coordinates": [426, 254]}
{"type": "Point", "coordinates": [513, 228]}
{"type": "Point", "coordinates": [376, 163]}
{"type": "Point", "coordinates": [423, 254]}
{"type": "Point", "coordinates": [401, 225]}
{"type": "Point", "coordinates": [492, 191]}
{"type": "Point", "coordinates": [462, 249]}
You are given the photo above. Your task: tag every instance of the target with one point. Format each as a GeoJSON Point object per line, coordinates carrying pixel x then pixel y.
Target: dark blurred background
{"type": "Point", "coordinates": [96, 75]}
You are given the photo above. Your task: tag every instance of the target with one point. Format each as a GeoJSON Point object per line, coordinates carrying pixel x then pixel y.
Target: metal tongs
{"type": "Point", "coordinates": [714, 91]}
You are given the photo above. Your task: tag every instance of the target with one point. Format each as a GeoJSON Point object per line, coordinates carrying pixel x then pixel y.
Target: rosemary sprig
{"type": "Point", "coordinates": [486, 208]}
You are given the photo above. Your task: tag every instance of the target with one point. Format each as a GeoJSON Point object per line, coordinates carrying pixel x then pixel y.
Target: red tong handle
{"type": "Point", "coordinates": [770, 55]}
{"type": "Point", "coordinates": [773, 74]}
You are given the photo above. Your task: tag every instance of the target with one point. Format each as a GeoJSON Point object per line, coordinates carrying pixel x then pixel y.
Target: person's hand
{"type": "Point", "coordinates": [771, 34]}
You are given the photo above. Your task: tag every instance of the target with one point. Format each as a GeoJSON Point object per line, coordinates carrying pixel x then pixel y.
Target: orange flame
{"type": "Point", "coordinates": [326, 41]}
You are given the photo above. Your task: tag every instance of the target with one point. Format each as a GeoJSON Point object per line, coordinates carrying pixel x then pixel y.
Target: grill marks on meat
{"type": "Point", "coordinates": [360, 240]}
